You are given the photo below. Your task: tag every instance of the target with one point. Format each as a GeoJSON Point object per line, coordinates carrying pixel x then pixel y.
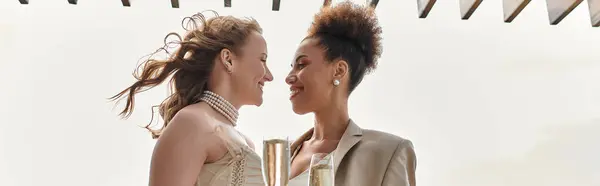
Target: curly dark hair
{"type": "Point", "coordinates": [190, 66]}
{"type": "Point", "coordinates": [350, 32]}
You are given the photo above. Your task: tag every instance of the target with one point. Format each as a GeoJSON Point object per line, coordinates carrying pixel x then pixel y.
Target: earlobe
{"type": "Point", "coordinates": [226, 59]}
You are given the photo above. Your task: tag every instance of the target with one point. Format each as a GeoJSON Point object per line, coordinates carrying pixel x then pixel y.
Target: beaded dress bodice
{"type": "Point", "coordinates": [241, 166]}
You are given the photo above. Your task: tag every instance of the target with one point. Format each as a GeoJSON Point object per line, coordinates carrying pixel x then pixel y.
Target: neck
{"type": "Point", "coordinates": [227, 95]}
{"type": "Point", "coordinates": [224, 90]}
{"type": "Point", "coordinates": [331, 122]}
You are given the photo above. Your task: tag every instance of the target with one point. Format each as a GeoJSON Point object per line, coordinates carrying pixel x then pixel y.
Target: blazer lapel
{"type": "Point", "coordinates": [351, 137]}
{"type": "Point", "coordinates": [294, 146]}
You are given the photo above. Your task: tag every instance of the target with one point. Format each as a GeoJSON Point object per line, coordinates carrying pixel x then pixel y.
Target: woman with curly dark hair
{"type": "Point", "coordinates": [219, 66]}
{"type": "Point", "coordinates": [343, 44]}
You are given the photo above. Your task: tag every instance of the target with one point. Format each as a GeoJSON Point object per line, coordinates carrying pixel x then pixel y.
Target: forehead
{"type": "Point", "coordinates": [309, 47]}
{"type": "Point", "coordinates": [256, 42]}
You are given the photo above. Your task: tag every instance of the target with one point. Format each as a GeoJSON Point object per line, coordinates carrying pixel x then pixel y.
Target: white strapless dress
{"type": "Point", "coordinates": [241, 166]}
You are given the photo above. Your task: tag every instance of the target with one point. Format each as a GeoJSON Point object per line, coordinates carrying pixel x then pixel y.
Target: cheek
{"type": "Point", "coordinates": [253, 71]}
{"type": "Point", "coordinates": [313, 83]}
{"type": "Point", "coordinates": [261, 69]}
{"type": "Point", "coordinates": [258, 72]}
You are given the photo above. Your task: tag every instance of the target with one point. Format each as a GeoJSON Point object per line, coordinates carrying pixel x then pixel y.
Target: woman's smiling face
{"type": "Point", "coordinates": [311, 78]}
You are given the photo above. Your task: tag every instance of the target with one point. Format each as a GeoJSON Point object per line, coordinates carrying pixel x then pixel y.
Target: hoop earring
{"type": "Point", "coordinates": [336, 82]}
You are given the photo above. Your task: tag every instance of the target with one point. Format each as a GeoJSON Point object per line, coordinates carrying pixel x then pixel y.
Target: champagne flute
{"type": "Point", "coordinates": [276, 161]}
{"type": "Point", "coordinates": [321, 171]}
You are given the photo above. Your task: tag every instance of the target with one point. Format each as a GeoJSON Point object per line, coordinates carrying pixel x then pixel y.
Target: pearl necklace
{"type": "Point", "coordinates": [221, 105]}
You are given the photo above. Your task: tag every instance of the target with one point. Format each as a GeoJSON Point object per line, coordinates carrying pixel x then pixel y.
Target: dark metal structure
{"type": "Point", "coordinates": [276, 5]}
{"type": "Point", "coordinates": [468, 7]}
{"type": "Point", "coordinates": [373, 3]}
{"type": "Point", "coordinates": [594, 7]}
{"type": "Point", "coordinates": [513, 8]}
{"type": "Point", "coordinates": [174, 3]}
{"type": "Point", "coordinates": [425, 7]}
{"type": "Point", "coordinates": [557, 9]}
{"type": "Point", "coordinates": [326, 2]}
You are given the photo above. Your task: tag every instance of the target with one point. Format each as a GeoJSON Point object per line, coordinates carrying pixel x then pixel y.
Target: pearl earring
{"type": "Point", "coordinates": [336, 82]}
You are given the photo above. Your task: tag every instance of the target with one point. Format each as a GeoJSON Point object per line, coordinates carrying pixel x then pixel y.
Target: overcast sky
{"type": "Point", "coordinates": [485, 103]}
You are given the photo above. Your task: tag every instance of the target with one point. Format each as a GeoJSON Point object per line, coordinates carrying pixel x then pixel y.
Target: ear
{"type": "Point", "coordinates": [340, 68]}
{"type": "Point", "coordinates": [226, 58]}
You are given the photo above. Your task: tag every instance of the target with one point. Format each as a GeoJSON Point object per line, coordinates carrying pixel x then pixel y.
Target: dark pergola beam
{"type": "Point", "coordinates": [594, 6]}
{"type": "Point", "coordinates": [227, 3]}
{"type": "Point", "coordinates": [24, 2]}
{"type": "Point", "coordinates": [174, 3]}
{"type": "Point", "coordinates": [276, 5]}
{"type": "Point", "coordinates": [512, 8]}
{"type": "Point", "coordinates": [424, 7]}
{"type": "Point", "coordinates": [126, 3]}
{"type": "Point", "coordinates": [370, 3]}
{"type": "Point", "coordinates": [373, 3]}
{"type": "Point", "coordinates": [468, 7]}
{"type": "Point", "coordinates": [559, 9]}
{"type": "Point", "coordinates": [326, 3]}
{"type": "Point", "coordinates": [73, 2]}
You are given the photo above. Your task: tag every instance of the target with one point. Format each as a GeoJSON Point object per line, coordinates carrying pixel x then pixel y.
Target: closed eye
{"type": "Point", "coordinates": [263, 58]}
{"type": "Point", "coordinates": [298, 64]}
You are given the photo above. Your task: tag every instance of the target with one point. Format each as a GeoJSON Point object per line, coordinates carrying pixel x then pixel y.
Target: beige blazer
{"type": "Point", "coordinates": [370, 158]}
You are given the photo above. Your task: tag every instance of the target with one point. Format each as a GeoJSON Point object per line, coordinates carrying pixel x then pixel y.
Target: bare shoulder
{"type": "Point", "coordinates": [191, 118]}
{"type": "Point", "coordinates": [183, 148]}
{"type": "Point", "coordinates": [190, 127]}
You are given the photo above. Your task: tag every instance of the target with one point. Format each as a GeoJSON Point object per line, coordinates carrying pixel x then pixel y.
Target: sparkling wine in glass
{"type": "Point", "coordinates": [276, 161]}
{"type": "Point", "coordinates": [321, 170]}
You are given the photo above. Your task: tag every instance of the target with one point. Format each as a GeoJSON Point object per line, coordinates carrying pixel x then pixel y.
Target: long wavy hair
{"type": "Point", "coordinates": [191, 64]}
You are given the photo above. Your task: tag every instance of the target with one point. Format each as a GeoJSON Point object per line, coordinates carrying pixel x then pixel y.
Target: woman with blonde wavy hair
{"type": "Point", "coordinates": [219, 66]}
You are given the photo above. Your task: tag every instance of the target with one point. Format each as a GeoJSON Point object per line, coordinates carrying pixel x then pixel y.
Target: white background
{"type": "Point", "coordinates": [486, 103]}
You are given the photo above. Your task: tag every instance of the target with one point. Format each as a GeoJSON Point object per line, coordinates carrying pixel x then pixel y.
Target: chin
{"type": "Point", "coordinates": [258, 102]}
{"type": "Point", "coordinates": [300, 111]}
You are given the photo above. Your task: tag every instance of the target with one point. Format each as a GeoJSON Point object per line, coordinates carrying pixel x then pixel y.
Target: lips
{"type": "Point", "coordinates": [261, 86]}
{"type": "Point", "coordinates": [294, 91]}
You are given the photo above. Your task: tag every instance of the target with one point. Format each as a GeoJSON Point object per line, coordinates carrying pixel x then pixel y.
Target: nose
{"type": "Point", "coordinates": [268, 75]}
{"type": "Point", "coordinates": [291, 79]}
